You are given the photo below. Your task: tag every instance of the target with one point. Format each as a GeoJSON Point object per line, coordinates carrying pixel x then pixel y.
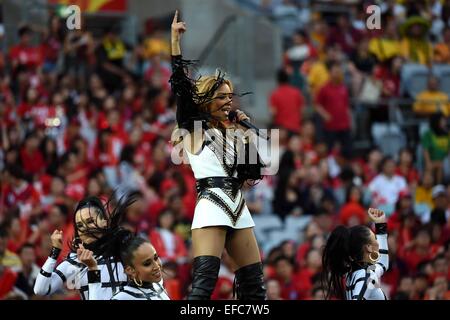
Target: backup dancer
{"type": "Point", "coordinates": [359, 256]}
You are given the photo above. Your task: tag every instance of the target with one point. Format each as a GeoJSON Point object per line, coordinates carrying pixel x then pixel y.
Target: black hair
{"type": "Point", "coordinates": [333, 64]}
{"type": "Point", "coordinates": [3, 231]}
{"type": "Point", "coordinates": [439, 257]}
{"type": "Point", "coordinates": [438, 216]}
{"type": "Point", "coordinates": [348, 193]}
{"type": "Point", "coordinates": [282, 77]}
{"type": "Point", "coordinates": [128, 245]}
{"type": "Point", "coordinates": [343, 253]}
{"type": "Point", "coordinates": [383, 162]}
{"type": "Point", "coordinates": [16, 171]}
{"type": "Point", "coordinates": [127, 154]}
{"type": "Point", "coordinates": [63, 209]}
{"type": "Point", "coordinates": [435, 126]}
{"type": "Point", "coordinates": [24, 246]}
{"type": "Point", "coordinates": [106, 237]}
{"type": "Point", "coordinates": [24, 30]}
{"type": "Point", "coordinates": [283, 257]}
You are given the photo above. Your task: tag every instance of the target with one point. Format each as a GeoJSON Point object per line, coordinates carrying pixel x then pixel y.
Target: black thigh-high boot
{"type": "Point", "coordinates": [205, 274]}
{"type": "Point", "coordinates": [249, 282]}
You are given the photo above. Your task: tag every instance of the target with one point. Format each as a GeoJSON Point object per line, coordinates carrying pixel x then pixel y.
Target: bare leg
{"type": "Point", "coordinates": [207, 244]}
{"type": "Point", "coordinates": [208, 241]}
{"type": "Point", "coordinates": [242, 247]}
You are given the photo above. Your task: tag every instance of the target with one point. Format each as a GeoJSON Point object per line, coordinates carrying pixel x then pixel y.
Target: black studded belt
{"type": "Point", "coordinates": [227, 183]}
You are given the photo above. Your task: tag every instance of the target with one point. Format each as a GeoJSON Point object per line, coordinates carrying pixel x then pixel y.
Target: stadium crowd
{"type": "Point", "coordinates": [83, 115]}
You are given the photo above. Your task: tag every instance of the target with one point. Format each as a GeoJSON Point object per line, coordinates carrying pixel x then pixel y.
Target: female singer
{"type": "Point", "coordinates": [221, 218]}
{"type": "Point", "coordinates": [97, 229]}
{"type": "Point", "coordinates": [360, 256]}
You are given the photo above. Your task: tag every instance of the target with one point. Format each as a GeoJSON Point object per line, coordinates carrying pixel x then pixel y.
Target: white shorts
{"type": "Point", "coordinates": [208, 213]}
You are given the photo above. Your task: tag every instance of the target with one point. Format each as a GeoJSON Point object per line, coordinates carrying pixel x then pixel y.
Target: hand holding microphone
{"type": "Point", "coordinates": [241, 118]}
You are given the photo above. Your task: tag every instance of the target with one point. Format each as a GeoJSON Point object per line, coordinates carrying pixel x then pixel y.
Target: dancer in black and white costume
{"type": "Point", "coordinates": [142, 266]}
{"type": "Point", "coordinates": [96, 228]}
{"type": "Point", "coordinates": [360, 256]}
{"type": "Point", "coordinates": [221, 217]}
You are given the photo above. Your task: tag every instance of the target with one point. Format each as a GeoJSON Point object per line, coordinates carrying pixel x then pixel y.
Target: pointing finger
{"type": "Point", "coordinates": [175, 17]}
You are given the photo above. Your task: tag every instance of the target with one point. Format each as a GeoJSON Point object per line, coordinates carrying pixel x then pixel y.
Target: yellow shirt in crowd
{"type": "Point", "coordinates": [317, 76]}
{"type": "Point", "coordinates": [384, 48]}
{"type": "Point", "coordinates": [11, 260]}
{"type": "Point", "coordinates": [424, 196]}
{"type": "Point", "coordinates": [428, 102]}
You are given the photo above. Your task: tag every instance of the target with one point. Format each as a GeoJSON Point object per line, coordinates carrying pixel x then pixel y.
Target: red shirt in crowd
{"type": "Point", "coordinates": [29, 57]}
{"type": "Point", "coordinates": [287, 102]}
{"type": "Point", "coordinates": [25, 195]}
{"type": "Point", "coordinates": [7, 281]}
{"type": "Point", "coordinates": [334, 99]}
{"type": "Point", "coordinates": [179, 248]}
{"type": "Point", "coordinates": [32, 162]}
{"type": "Point", "coordinates": [413, 258]}
{"type": "Point", "coordinates": [411, 175]}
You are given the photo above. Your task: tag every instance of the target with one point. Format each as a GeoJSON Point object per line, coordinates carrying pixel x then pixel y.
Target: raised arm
{"type": "Point", "coordinates": [51, 278]}
{"type": "Point", "coordinates": [178, 28]}
{"type": "Point", "coordinates": [183, 87]}
{"type": "Point", "coordinates": [94, 276]}
{"type": "Point", "coordinates": [379, 218]}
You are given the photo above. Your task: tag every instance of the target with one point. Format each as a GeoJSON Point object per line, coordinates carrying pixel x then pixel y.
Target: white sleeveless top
{"type": "Point", "coordinates": [215, 206]}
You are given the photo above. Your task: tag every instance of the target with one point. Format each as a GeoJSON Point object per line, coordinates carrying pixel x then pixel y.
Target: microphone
{"type": "Point", "coordinates": [232, 116]}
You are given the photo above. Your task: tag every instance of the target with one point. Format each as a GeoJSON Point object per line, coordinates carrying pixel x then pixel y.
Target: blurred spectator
{"type": "Point", "coordinates": [419, 249]}
{"type": "Point", "coordinates": [441, 53]}
{"type": "Point", "coordinates": [352, 212]}
{"type": "Point", "coordinates": [423, 194]}
{"type": "Point", "coordinates": [420, 286]}
{"type": "Point", "coordinates": [111, 54]}
{"type": "Point", "coordinates": [387, 45]}
{"type": "Point", "coordinates": [20, 193]}
{"type": "Point", "coordinates": [25, 59]}
{"type": "Point", "coordinates": [386, 186]}
{"type": "Point", "coordinates": [405, 289]}
{"type": "Point", "coordinates": [439, 206]}
{"type": "Point", "coordinates": [432, 100]}
{"type": "Point", "coordinates": [8, 259]}
{"type": "Point", "coordinates": [406, 168]}
{"type": "Point", "coordinates": [439, 290]}
{"type": "Point", "coordinates": [286, 104]}
{"type": "Point", "coordinates": [171, 280]}
{"type": "Point", "coordinates": [436, 145]}
{"type": "Point", "coordinates": [333, 106]}
{"type": "Point", "coordinates": [307, 274]}
{"type": "Point", "coordinates": [372, 167]}
{"type": "Point", "coordinates": [27, 277]}
{"type": "Point", "coordinates": [169, 245]}
{"type": "Point", "coordinates": [285, 274]}
{"type": "Point", "coordinates": [318, 71]}
{"type": "Point", "coordinates": [344, 35]}
{"type": "Point", "coordinates": [7, 281]}
{"type": "Point", "coordinates": [259, 198]}
{"type": "Point", "coordinates": [31, 156]}
{"type": "Point", "coordinates": [52, 44]}
{"type": "Point", "coordinates": [273, 290]}
{"type": "Point", "coordinates": [156, 44]}
{"type": "Point", "coordinates": [287, 195]}
{"type": "Point", "coordinates": [415, 46]}
{"type": "Point", "coordinates": [79, 55]}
